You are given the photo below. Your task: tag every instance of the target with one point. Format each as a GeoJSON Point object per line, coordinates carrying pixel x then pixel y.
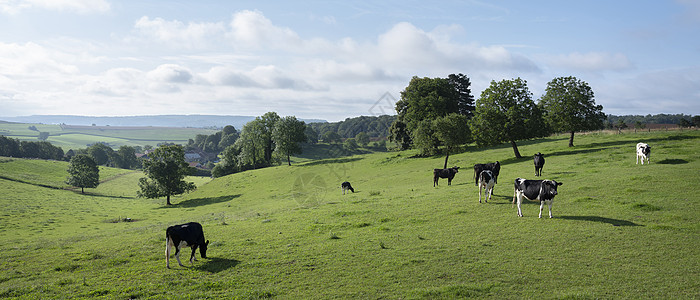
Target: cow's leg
{"type": "Point", "coordinates": [479, 193]}
{"type": "Point", "coordinates": [177, 255]}
{"type": "Point", "coordinates": [449, 181]}
{"type": "Point", "coordinates": [192, 257]}
{"type": "Point", "coordinates": [550, 209]}
{"type": "Point", "coordinates": [520, 201]}
{"type": "Point", "coordinates": [167, 252]}
{"type": "Point", "coordinates": [488, 194]}
{"type": "Point", "coordinates": [541, 206]}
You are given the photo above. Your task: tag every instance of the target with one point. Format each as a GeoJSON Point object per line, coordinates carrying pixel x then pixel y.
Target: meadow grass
{"type": "Point", "coordinates": [619, 230]}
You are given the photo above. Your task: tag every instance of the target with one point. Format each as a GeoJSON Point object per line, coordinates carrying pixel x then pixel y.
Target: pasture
{"type": "Point", "coordinates": [619, 230]}
{"type": "Point", "coordinates": [78, 137]}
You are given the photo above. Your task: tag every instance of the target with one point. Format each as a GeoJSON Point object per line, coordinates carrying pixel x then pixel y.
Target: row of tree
{"type": "Point", "coordinates": [372, 126]}
{"type": "Point", "coordinates": [434, 112]}
{"type": "Point", "coordinates": [262, 142]}
{"type": "Point", "coordinates": [10, 147]}
{"type": "Point", "coordinates": [653, 119]}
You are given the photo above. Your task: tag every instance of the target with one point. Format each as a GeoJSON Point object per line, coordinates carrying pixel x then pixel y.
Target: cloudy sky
{"type": "Point", "coordinates": [335, 59]}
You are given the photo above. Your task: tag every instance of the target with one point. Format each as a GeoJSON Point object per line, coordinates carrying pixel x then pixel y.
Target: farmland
{"type": "Point", "coordinates": [619, 230]}
{"type": "Point", "coordinates": [77, 137]}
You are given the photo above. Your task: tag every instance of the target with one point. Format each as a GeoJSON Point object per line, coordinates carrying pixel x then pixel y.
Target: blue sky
{"type": "Point", "coordinates": [335, 59]}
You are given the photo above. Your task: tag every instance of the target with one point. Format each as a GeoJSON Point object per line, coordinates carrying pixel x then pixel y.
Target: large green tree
{"type": "Point", "coordinates": [287, 135]}
{"type": "Point", "coordinates": [269, 120]}
{"type": "Point", "coordinates": [568, 106]}
{"type": "Point", "coordinates": [505, 112]}
{"type": "Point", "coordinates": [465, 99]}
{"type": "Point", "coordinates": [251, 143]}
{"type": "Point", "coordinates": [165, 169]}
{"type": "Point", "coordinates": [452, 131]}
{"type": "Point", "coordinates": [83, 172]}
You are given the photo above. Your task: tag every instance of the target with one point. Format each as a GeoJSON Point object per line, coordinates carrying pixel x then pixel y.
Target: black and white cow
{"type": "Point", "coordinates": [346, 186]}
{"type": "Point", "coordinates": [539, 163]}
{"type": "Point", "coordinates": [448, 173]}
{"type": "Point", "coordinates": [486, 181]}
{"type": "Point", "coordinates": [643, 152]}
{"type": "Point", "coordinates": [495, 168]}
{"type": "Point", "coordinates": [542, 190]}
{"type": "Point", "coordinates": [185, 235]}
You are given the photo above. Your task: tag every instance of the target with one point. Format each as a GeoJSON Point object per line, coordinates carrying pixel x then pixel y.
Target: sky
{"type": "Point", "coordinates": [333, 60]}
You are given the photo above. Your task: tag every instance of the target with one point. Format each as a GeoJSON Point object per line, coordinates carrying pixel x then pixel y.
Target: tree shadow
{"type": "Point", "coordinates": [613, 222]}
{"type": "Point", "coordinates": [672, 161]}
{"type": "Point", "coordinates": [203, 201]}
{"type": "Point", "coordinates": [216, 264]}
{"type": "Point", "coordinates": [331, 161]}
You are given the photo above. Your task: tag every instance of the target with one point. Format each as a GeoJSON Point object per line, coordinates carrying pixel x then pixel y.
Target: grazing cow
{"type": "Point", "coordinates": [486, 181]}
{"type": "Point", "coordinates": [346, 186]}
{"type": "Point", "coordinates": [494, 167]}
{"type": "Point", "coordinates": [542, 190]}
{"type": "Point", "coordinates": [185, 235]}
{"type": "Point", "coordinates": [539, 163]}
{"type": "Point", "coordinates": [448, 173]}
{"type": "Point", "coordinates": [643, 151]}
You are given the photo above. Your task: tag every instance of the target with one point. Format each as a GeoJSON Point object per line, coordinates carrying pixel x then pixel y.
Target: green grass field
{"type": "Point", "coordinates": [619, 230]}
{"type": "Point", "coordinates": [78, 137]}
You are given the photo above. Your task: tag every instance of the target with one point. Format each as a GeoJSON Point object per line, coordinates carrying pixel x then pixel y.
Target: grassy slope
{"type": "Point", "coordinates": [620, 230]}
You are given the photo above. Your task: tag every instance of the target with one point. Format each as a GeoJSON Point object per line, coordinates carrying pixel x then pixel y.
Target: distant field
{"type": "Point", "coordinates": [76, 137]}
{"type": "Point", "coordinates": [620, 230]}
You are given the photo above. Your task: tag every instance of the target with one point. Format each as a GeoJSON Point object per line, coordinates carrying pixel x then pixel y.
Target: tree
{"type": "Point", "coordinates": [568, 106]}
{"type": "Point", "coordinates": [683, 123]}
{"type": "Point", "coordinates": [505, 112]}
{"type": "Point", "coordinates": [251, 143]}
{"type": "Point", "coordinates": [696, 120]}
{"type": "Point", "coordinates": [426, 99]}
{"type": "Point", "coordinates": [83, 172]}
{"type": "Point", "coordinates": [362, 138]}
{"type": "Point", "coordinates": [100, 153]}
{"type": "Point", "coordinates": [331, 137]}
{"type": "Point", "coordinates": [452, 131]}
{"type": "Point", "coordinates": [424, 138]}
{"type": "Point", "coordinates": [269, 120]}
{"type": "Point", "coordinates": [165, 169]}
{"type": "Point", "coordinates": [465, 99]}
{"type": "Point", "coordinates": [287, 136]}
{"type": "Point", "coordinates": [399, 135]}
{"type": "Point", "coordinates": [311, 135]}
{"type": "Point", "coordinates": [350, 144]}
{"type": "Point", "coordinates": [230, 162]}
{"type": "Point", "coordinates": [127, 157]}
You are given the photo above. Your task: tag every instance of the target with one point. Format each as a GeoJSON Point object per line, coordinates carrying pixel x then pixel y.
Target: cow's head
{"type": "Point", "coordinates": [203, 249]}
{"type": "Point", "coordinates": [456, 169]}
{"type": "Point", "coordinates": [549, 189]}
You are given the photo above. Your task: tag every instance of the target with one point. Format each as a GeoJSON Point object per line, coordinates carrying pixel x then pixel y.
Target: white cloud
{"type": "Point", "coordinates": [171, 73]}
{"type": "Point", "coordinates": [592, 61]}
{"type": "Point", "coordinates": [76, 6]}
{"type": "Point", "coordinates": [176, 33]}
{"type": "Point", "coordinates": [31, 59]}
{"type": "Point", "coordinates": [250, 29]}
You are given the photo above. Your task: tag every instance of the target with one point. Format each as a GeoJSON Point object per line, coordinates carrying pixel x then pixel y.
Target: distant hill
{"type": "Point", "coordinates": [195, 121]}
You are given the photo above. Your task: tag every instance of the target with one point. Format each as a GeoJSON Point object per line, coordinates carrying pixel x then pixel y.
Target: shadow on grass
{"type": "Point", "coordinates": [672, 161]}
{"type": "Point", "coordinates": [613, 222]}
{"type": "Point", "coordinates": [331, 161]}
{"type": "Point", "coordinates": [216, 264]}
{"type": "Point", "coordinates": [203, 201]}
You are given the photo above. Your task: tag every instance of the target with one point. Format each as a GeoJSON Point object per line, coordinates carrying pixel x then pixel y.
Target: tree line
{"type": "Point", "coordinates": [440, 114]}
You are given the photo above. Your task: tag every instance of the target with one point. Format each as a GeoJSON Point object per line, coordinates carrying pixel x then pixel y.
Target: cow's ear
{"type": "Point", "coordinates": [559, 183]}
{"type": "Point", "coordinates": [207, 243]}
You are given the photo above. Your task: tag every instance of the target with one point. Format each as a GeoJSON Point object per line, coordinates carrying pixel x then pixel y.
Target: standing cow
{"type": "Point", "coordinates": [185, 235]}
{"type": "Point", "coordinates": [448, 173]}
{"type": "Point", "coordinates": [539, 163]}
{"type": "Point", "coordinates": [542, 190]}
{"type": "Point", "coordinates": [643, 152]}
{"type": "Point", "coordinates": [486, 181]}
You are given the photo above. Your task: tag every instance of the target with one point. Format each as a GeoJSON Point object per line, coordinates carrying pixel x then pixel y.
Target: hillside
{"type": "Point", "coordinates": [619, 230]}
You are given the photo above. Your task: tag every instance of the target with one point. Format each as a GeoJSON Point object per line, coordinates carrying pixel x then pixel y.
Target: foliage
{"type": "Point", "coordinates": [648, 119]}
{"type": "Point", "coordinates": [332, 137]}
{"type": "Point", "coordinates": [465, 103]}
{"type": "Point", "coordinates": [100, 152]}
{"type": "Point", "coordinates": [252, 143]}
{"type": "Point", "coordinates": [287, 136]}
{"type": "Point", "coordinates": [165, 169]}
{"type": "Point", "coordinates": [400, 136]}
{"type": "Point", "coordinates": [568, 106]}
{"type": "Point", "coordinates": [373, 126]}
{"type": "Point", "coordinates": [452, 131]}
{"type": "Point", "coordinates": [505, 112]}
{"type": "Point", "coordinates": [350, 144]}
{"type": "Point", "coordinates": [83, 172]}
{"type": "Point", "coordinates": [362, 139]}
{"type": "Point", "coordinates": [15, 148]}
